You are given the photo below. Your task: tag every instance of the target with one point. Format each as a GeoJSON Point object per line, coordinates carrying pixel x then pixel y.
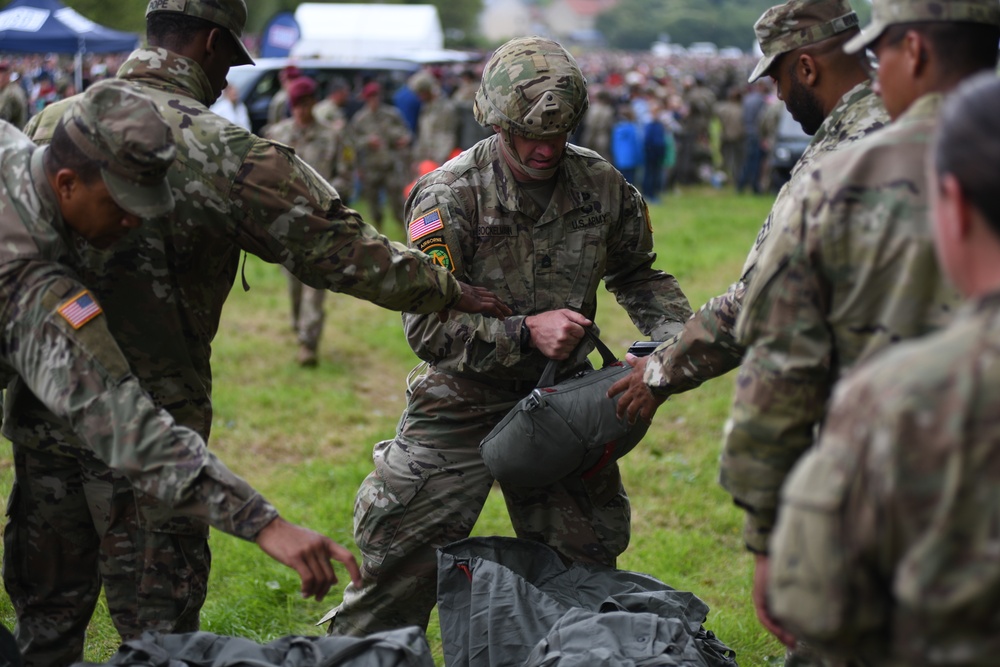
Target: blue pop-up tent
{"type": "Point", "coordinates": [48, 26]}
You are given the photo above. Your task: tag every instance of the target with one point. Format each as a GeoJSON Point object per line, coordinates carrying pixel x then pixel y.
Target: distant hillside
{"type": "Point", "coordinates": [635, 24]}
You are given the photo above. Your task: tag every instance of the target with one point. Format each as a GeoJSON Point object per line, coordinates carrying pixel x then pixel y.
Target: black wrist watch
{"type": "Point", "coordinates": [525, 336]}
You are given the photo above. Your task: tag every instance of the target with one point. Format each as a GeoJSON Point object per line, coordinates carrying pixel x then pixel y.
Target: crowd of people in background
{"type": "Point", "coordinates": [663, 121]}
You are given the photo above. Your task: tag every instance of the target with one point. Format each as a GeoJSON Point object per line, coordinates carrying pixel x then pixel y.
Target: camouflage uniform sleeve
{"type": "Point", "coordinates": [652, 298]}
{"type": "Point", "coordinates": [826, 568]}
{"type": "Point", "coordinates": [469, 342]}
{"type": "Point", "coordinates": [704, 349]}
{"type": "Point", "coordinates": [291, 216]}
{"type": "Point", "coordinates": [783, 382]}
{"type": "Point", "coordinates": [78, 372]}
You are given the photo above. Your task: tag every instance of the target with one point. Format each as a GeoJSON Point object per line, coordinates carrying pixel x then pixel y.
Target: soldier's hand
{"type": "Point", "coordinates": [636, 401]}
{"type": "Point", "coordinates": [478, 300]}
{"type": "Point", "coordinates": [309, 554]}
{"type": "Point", "coordinates": [556, 333]}
{"type": "Point", "coordinates": [761, 574]}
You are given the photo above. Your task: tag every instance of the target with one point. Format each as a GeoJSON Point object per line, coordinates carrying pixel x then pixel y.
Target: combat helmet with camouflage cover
{"type": "Point", "coordinates": [533, 87]}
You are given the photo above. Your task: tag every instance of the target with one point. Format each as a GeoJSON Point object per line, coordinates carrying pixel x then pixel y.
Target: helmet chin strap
{"type": "Point", "coordinates": [510, 154]}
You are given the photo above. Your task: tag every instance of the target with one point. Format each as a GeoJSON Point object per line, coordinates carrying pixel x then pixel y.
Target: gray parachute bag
{"type": "Point", "coordinates": [506, 602]}
{"type": "Point", "coordinates": [559, 430]}
{"type": "Point", "coordinates": [405, 647]}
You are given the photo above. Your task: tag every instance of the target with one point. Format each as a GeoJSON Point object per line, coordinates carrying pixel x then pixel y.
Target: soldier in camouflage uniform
{"type": "Point", "coordinates": [886, 543]}
{"type": "Point", "coordinates": [320, 146]}
{"type": "Point", "coordinates": [437, 125]}
{"type": "Point", "coordinates": [13, 99]}
{"type": "Point", "coordinates": [164, 287]}
{"type": "Point", "coordinates": [381, 140]}
{"type": "Point", "coordinates": [830, 93]}
{"type": "Point", "coordinates": [104, 171]}
{"type": "Point", "coordinates": [542, 222]}
{"type": "Point", "coordinates": [851, 270]}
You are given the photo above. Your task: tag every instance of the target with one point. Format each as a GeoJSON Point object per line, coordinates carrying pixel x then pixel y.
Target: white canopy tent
{"type": "Point", "coordinates": [360, 31]}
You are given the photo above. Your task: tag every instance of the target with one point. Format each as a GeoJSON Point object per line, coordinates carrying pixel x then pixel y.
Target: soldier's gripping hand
{"type": "Point", "coordinates": [637, 401]}
{"type": "Point", "coordinates": [309, 554]}
{"type": "Point", "coordinates": [478, 300]}
{"type": "Point", "coordinates": [556, 333]}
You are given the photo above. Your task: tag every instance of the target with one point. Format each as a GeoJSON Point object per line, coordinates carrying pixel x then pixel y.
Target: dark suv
{"type": "Point", "coordinates": [258, 83]}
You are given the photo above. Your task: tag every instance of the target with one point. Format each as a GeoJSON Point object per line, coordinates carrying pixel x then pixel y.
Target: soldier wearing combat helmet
{"type": "Point", "coordinates": [163, 288]}
{"type": "Point", "coordinates": [541, 222]}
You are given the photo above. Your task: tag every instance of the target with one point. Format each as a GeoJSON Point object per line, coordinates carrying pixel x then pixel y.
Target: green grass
{"type": "Point", "coordinates": [304, 439]}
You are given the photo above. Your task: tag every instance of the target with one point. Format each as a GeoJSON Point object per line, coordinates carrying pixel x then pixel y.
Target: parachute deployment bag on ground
{"type": "Point", "coordinates": [563, 429]}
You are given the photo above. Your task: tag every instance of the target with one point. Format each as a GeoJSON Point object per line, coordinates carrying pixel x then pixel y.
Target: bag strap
{"type": "Point", "coordinates": [549, 374]}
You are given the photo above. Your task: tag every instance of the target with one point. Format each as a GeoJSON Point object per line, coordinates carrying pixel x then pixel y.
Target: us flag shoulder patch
{"type": "Point", "coordinates": [80, 309]}
{"type": "Point", "coordinates": [430, 222]}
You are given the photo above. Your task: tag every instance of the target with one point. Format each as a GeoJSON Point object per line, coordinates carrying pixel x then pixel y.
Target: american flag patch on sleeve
{"type": "Point", "coordinates": [421, 227]}
{"type": "Point", "coordinates": [80, 309]}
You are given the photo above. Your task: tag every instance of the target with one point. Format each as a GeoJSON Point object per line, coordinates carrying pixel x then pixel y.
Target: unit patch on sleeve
{"type": "Point", "coordinates": [436, 247]}
{"type": "Point", "coordinates": [80, 309]}
{"type": "Point", "coordinates": [429, 223]}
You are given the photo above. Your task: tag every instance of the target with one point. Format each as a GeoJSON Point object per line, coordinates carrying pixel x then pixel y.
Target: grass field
{"type": "Point", "coordinates": [304, 439]}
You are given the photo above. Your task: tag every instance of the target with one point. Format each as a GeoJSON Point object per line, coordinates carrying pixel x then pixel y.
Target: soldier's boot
{"type": "Point", "coordinates": [307, 357]}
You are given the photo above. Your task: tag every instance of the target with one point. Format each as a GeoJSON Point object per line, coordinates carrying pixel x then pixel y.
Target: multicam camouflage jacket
{"type": "Point", "coordinates": [386, 125]}
{"type": "Point", "coordinates": [55, 340]}
{"type": "Point", "coordinates": [852, 270]}
{"type": "Point", "coordinates": [475, 219]}
{"type": "Point", "coordinates": [887, 538]}
{"type": "Point", "coordinates": [164, 285]}
{"type": "Point", "coordinates": [707, 346]}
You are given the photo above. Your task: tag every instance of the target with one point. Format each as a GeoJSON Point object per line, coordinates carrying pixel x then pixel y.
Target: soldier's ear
{"type": "Point", "coordinates": [807, 70]}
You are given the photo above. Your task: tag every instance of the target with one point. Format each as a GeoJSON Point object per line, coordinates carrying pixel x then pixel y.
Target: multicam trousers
{"type": "Point", "coordinates": [73, 525]}
{"type": "Point", "coordinates": [428, 489]}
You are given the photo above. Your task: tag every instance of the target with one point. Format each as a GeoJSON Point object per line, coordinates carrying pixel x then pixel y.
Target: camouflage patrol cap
{"type": "Point", "coordinates": [799, 23]}
{"type": "Point", "coordinates": [228, 14]}
{"type": "Point", "coordinates": [120, 128]}
{"type": "Point", "coordinates": [532, 86]}
{"type": "Point", "coordinates": [892, 12]}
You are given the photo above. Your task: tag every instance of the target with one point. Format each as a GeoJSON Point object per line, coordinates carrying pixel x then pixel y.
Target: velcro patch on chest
{"type": "Point", "coordinates": [491, 231]}
{"type": "Point", "coordinates": [426, 224]}
{"type": "Point", "coordinates": [80, 309]}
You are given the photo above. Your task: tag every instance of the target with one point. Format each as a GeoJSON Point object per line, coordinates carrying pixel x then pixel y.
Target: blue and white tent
{"type": "Point", "coordinates": [48, 26]}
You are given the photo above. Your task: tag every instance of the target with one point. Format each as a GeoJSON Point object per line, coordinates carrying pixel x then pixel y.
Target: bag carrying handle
{"type": "Point", "coordinates": [549, 374]}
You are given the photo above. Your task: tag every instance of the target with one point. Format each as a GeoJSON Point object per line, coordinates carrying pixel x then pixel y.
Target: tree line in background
{"type": "Point", "coordinates": [631, 25]}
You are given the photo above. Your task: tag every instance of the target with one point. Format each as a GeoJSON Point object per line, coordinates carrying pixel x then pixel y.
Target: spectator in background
{"type": "Point", "coordinates": [626, 144]}
{"type": "Point", "coordinates": [13, 99]}
{"type": "Point", "coordinates": [754, 103]}
{"type": "Point", "coordinates": [437, 127]}
{"type": "Point", "coordinates": [597, 124]}
{"type": "Point", "coordinates": [407, 101]}
{"type": "Point", "coordinates": [731, 133]}
{"type": "Point", "coordinates": [381, 140]}
{"type": "Point", "coordinates": [231, 107]}
{"type": "Point", "coordinates": [319, 146]}
{"type": "Point", "coordinates": [277, 108]}
{"type": "Point", "coordinates": [654, 151]}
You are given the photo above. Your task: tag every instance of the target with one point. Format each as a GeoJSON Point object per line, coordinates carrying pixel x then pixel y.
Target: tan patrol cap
{"type": "Point", "coordinates": [229, 14]}
{"type": "Point", "coordinates": [120, 128]}
{"type": "Point", "coordinates": [799, 23]}
{"type": "Point", "coordinates": [891, 12]}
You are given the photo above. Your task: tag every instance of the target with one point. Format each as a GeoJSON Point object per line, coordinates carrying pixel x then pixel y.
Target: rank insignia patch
{"type": "Point", "coordinates": [421, 227]}
{"type": "Point", "coordinates": [80, 309]}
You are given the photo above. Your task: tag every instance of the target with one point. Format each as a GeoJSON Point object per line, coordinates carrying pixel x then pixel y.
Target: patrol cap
{"type": "Point", "coordinates": [120, 128]}
{"type": "Point", "coordinates": [229, 14]}
{"type": "Point", "coordinates": [799, 23]}
{"type": "Point", "coordinates": [892, 12]}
